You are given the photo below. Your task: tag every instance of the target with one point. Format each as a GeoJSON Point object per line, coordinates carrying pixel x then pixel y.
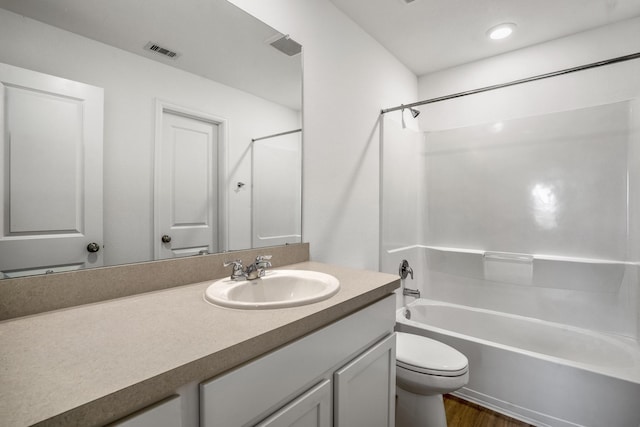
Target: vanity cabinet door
{"type": "Point", "coordinates": [365, 388]}
{"type": "Point", "coordinates": [165, 414]}
{"type": "Point", "coordinates": [312, 409]}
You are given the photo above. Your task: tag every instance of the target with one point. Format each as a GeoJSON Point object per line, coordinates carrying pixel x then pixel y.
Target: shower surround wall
{"type": "Point", "coordinates": [526, 199]}
{"type": "Point", "coordinates": [529, 216]}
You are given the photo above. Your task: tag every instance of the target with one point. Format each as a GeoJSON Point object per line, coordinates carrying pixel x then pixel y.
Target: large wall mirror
{"type": "Point", "coordinates": [142, 130]}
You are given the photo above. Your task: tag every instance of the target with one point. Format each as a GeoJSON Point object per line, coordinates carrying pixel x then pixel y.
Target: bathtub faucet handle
{"type": "Point", "coordinates": [405, 270]}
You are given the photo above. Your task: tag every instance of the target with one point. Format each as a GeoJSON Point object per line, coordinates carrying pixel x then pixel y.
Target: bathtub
{"type": "Point", "coordinates": [543, 373]}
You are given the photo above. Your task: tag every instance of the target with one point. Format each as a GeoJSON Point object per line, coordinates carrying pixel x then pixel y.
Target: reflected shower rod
{"type": "Point", "coordinates": [516, 82]}
{"type": "Point", "coordinates": [276, 134]}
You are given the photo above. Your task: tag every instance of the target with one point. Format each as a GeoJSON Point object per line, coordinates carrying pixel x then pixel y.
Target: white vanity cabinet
{"type": "Point", "coordinates": [312, 409]}
{"type": "Point", "coordinates": [164, 414]}
{"type": "Point", "coordinates": [342, 375]}
{"type": "Point", "coordinates": [364, 387]}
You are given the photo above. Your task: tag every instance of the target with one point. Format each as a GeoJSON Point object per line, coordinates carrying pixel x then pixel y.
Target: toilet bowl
{"type": "Point", "coordinates": [425, 370]}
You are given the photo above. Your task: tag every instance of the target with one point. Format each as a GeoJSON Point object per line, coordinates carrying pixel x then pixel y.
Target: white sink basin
{"type": "Point", "coordinates": [277, 289]}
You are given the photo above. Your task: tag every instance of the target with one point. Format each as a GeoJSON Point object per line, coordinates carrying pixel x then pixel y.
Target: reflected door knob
{"type": "Point", "coordinates": [93, 247]}
{"type": "Point", "coordinates": [166, 239]}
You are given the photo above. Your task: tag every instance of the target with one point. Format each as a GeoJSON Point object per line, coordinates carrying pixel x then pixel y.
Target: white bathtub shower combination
{"type": "Point", "coordinates": [540, 372]}
{"type": "Point", "coordinates": [519, 212]}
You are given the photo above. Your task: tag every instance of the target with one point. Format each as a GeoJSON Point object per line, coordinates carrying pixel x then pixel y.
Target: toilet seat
{"type": "Point", "coordinates": [426, 356]}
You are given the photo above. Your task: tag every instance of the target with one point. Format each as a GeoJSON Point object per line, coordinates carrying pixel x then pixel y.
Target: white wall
{"type": "Point", "coordinates": [348, 79]}
{"type": "Point", "coordinates": [633, 272]}
{"type": "Point", "coordinates": [402, 216]}
{"type": "Point", "coordinates": [610, 41]}
{"type": "Point", "coordinates": [132, 84]}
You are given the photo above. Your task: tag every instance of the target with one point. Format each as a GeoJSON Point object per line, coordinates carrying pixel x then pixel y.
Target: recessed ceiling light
{"type": "Point", "coordinates": [501, 31]}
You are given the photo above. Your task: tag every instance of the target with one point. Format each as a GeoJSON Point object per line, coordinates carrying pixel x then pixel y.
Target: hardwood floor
{"type": "Point", "coordinates": [461, 413]}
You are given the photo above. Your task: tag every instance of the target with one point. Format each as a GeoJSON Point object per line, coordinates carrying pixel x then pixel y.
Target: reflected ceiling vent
{"type": "Point", "coordinates": [153, 47]}
{"type": "Point", "coordinates": [285, 44]}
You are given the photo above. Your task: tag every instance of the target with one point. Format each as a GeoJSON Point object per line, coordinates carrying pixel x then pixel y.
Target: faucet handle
{"type": "Point", "coordinates": [404, 270]}
{"type": "Point", "coordinates": [262, 261]}
{"type": "Point", "coordinates": [236, 263]}
{"type": "Point", "coordinates": [238, 269]}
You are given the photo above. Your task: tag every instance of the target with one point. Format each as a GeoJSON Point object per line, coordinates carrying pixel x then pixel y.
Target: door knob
{"type": "Point", "coordinates": [93, 247]}
{"type": "Point", "coordinates": [166, 238]}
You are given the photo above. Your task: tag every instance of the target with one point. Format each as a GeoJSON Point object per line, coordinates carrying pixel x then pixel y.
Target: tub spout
{"type": "Point", "coordinates": [411, 292]}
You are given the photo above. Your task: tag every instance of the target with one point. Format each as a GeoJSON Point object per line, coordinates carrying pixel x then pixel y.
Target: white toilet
{"type": "Point", "coordinates": [425, 370]}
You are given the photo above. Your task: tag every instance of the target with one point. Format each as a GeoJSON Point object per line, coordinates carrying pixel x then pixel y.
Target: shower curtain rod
{"type": "Point", "coordinates": [276, 134]}
{"type": "Point", "coordinates": [516, 82]}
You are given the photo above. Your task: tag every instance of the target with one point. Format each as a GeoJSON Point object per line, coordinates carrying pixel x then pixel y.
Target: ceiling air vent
{"type": "Point", "coordinates": [153, 47]}
{"type": "Point", "coordinates": [286, 45]}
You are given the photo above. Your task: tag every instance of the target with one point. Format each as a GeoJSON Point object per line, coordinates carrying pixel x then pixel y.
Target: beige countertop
{"type": "Point", "coordinates": [89, 365]}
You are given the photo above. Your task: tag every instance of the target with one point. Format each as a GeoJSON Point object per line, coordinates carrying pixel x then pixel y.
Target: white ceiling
{"type": "Point", "coordinates": [219, 41]}
{"type": "Point", "coordinates": [214, 38]}
{"type": "Point", "coordinates": [431, 35]}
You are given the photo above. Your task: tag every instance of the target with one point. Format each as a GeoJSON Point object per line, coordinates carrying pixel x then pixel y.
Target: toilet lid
{"type": "Point", "coordinates": [422, 354]}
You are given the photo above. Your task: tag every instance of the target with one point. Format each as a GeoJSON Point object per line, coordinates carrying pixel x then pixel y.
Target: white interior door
{"type": "Point", "coordinates": [187, 186]}
{"type": "Point", "coordinates": [276, 191]}
{"type": "Point", "coordinates": [51, 177]}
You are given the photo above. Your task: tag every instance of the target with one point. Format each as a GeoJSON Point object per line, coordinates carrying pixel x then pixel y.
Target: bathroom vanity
{"type": "Point", "coordinates": [354, 357]}
{"type": "Point", "coordinates": [168, 357]}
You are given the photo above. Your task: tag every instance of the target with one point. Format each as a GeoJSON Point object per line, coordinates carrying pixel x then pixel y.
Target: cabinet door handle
{"type": "Point", "coordinates": [166, 238]}
{"type": "Point", "coordinates": [93, 247]}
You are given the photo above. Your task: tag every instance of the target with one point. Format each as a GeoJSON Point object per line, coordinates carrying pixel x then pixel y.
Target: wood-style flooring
{"type": "Point", "coordinates": [461, 413]}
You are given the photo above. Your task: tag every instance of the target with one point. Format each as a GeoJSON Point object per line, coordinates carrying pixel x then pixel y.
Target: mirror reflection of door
{"type": "Point", "coordinates": [187, 186]}
{"type": "Point", "coordinates": [276, 189]}
{"type": "Point", "coordinates": [51, 174]}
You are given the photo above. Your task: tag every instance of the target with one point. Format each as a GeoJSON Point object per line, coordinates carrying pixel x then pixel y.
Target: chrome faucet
{"type": "Point", "coordinates": [405, 271]}
{"type": "Point", "coordinates": [257, 269]}
{"type": "Point", "coordinates": [411, 292]}
{"type": "Point", "coordinates": [237, 273]}
{"type": "Point", "coordinates": [251, 272]}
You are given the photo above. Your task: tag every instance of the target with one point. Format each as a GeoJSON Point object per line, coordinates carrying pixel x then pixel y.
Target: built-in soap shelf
{"type": "Point", "coordinates": [508, 257]}
{"type": "Point", "coordinates": [513, 255]}
{"type": "Point", "coordinates": [539, 270]}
